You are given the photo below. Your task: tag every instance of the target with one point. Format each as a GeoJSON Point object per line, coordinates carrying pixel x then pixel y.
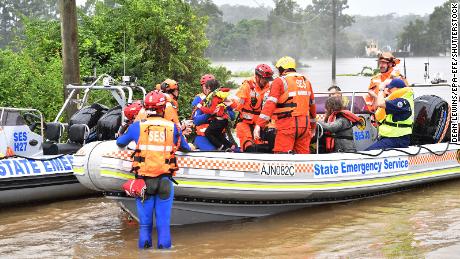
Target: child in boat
{"type": "Point", "coordinates": [214, 105]}
{"type": "Point", "coordinates": [338, 128]}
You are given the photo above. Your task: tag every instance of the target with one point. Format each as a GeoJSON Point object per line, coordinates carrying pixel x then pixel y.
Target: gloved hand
{"type": "Point", "coordinates": [256, 132]}
{"type": "Point", "coordinates": [312, 129]}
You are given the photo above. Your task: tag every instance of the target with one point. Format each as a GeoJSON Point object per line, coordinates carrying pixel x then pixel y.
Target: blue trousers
{"type": "Point", "coordinates": [145, 210]}
{"type": "Point", "coordinates": [399, 142]}
{"type": "Point", "coordinates": [203, 144]}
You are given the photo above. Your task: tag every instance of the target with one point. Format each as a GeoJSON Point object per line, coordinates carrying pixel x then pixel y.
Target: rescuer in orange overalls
{"type": "Point", "coordinates": [292, 101]}
{"type": "Point", "coordinates": [249, 99]}
{"type": "Point", "coordinates": [387, 63]}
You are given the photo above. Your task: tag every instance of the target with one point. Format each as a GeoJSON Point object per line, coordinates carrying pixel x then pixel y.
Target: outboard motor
{"type": "Point", "coordinates": [431, 120]}
{"type": "Point", "coordinates": [108, 124]}
{"type": "Point", "coordinates": [89, 116]}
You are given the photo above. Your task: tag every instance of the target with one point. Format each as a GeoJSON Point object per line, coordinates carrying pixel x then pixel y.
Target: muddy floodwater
{"type": "Point", "coordinates": [419, 223]}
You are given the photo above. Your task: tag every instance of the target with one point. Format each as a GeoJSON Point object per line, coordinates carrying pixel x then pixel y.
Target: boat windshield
{"type": "Point", "coordinates": [11, 118]}
{"type": "Point", "coordinates": [353, 101]}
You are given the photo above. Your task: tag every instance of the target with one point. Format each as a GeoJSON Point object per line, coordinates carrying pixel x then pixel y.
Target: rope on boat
{"type": "Point", "coordinates": [33, 158]}
{"type": "Point", "coordinates": [408, 153]}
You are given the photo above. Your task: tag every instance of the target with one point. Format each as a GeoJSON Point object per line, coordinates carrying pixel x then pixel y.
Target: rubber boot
{"type": "Point", "coordinates": [163, 206]}
{"type": "Point", "coordinates": [145, 214]}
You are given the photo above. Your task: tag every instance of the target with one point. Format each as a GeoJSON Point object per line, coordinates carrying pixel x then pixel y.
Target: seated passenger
{"type": "Point", "coordinates": [218, 122]}
{"type": "Point", "coordinates": [395, 114]}
{"type": "Point", "coordinates": [200, 120]}
{"type": "Point", "coordinates": [336, 91]}
{"type": "Point", "coordinates": [338, 128]}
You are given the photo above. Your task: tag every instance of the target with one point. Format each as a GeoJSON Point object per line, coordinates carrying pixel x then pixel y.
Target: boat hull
{"type": "Point", "coordinates": [217, 186]}
{"type": "Point", "coordinates": [46, 178]}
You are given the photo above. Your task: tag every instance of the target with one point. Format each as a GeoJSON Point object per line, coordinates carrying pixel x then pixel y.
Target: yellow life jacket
{"type": "Point", "coordinates": [392, 129]}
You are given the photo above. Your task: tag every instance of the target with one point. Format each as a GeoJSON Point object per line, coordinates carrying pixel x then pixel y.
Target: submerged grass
{"type": "Point", "coordinates": [242, 73]}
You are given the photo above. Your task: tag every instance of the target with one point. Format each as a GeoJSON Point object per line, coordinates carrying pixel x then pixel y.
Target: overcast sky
{"type": "Point", "coordinates": [361, 7]}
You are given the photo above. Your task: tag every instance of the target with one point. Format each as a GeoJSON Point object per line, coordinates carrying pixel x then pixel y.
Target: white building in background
{"type": "Point", "coordinates": [372, 48]}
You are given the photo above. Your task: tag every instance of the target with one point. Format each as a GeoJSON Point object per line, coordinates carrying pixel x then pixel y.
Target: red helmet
{"type": "Point", "coordinates": [265, 71]}
{"type": "Point", "coordinates": [169, 85]}
{"type": "Point", "coordinates": [155, 100]}
{"type": "Point", "coordinates": [131, 110]}
{"type": "Point", "coordinates": [206, 78]}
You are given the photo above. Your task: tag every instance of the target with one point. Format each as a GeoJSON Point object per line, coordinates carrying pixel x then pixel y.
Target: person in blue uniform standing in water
{"type": "Point", "coordinates": [154, 165]}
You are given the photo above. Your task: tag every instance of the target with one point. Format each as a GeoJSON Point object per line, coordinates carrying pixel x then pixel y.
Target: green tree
{"type": "Point", "coordinates": [160, 39]}
{"type": "Point", "coordinates": [431, 37]}
{"type": "Point", "coordinates": [13, 12]}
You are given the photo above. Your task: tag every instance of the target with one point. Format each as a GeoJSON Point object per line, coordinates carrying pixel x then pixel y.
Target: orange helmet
{"type": "Point", "coordinates": [169, 85]}
{"type": "Point", "coordinates": [132, 109]}
{"type": "Point", "coordinates": [206, 78]}
{"type": "Point", "coordinates": [388, 57]}
{"type": "Point", "coordinates": [155, 100]}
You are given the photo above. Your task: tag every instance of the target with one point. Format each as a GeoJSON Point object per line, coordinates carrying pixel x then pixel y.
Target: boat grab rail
{"type": "Point", "coordinates": [118, 92]}
{"type": "Point", "coordinates": [420, 147]}
{"type": "Point", "coordinates": [33, 158]}
{"type": "Point", "coordinates": [3, 109]}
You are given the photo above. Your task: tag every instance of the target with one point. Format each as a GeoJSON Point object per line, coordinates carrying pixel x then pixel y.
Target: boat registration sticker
{"type": "Point", "coordinates": [277, 169]}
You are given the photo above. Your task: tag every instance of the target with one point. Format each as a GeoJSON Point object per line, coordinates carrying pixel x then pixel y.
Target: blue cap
{"type": "Point", "coordinates": [398, 83]}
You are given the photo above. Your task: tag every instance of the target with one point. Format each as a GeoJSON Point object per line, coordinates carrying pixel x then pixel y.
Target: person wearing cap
{"type": "Point", "coordinates": [388, 71]}
{"type": "Point", "coordinates": [292, 102]}
{"type": "Point", "coordinates": [395, 114]}
{"type": "Point", "coordinates": [249, 100]}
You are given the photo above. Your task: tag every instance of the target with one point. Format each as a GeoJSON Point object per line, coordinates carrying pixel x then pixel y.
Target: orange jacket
{"type": "Point", "coordinates": [170, 114]}
{"type": "Point", "coordinates": [250, 100]}
{"type": "Point", "coordinates": [155, 149]}
{"type": "Point", "coordinates": [381, 78]}
{"type": "Point", "coordinates": [171, 110]}
{"type": "Point", "coordinates": [291, 96]}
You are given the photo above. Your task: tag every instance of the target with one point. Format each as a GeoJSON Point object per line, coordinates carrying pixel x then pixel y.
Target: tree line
{"type": "Point", "coordinates": [428, 38]}
{"type": "Point", "coordinates": [306, 32]}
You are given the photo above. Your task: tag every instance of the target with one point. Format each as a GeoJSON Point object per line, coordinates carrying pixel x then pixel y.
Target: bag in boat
{"type": "Point", "coordinates": [135, 188]}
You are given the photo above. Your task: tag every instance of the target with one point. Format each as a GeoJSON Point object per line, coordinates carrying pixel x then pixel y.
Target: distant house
{"type": "Point", "coordinates": [372, 49]}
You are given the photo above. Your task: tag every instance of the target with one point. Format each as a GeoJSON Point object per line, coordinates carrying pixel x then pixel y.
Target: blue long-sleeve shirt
{"type": "Point", "coordinates": [133, 133]}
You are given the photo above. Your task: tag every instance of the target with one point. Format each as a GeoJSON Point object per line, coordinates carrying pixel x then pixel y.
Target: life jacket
{"type": "Point", "coordinates": [154, 154]}
{"type": "Point", "coordinates": [392, 129]}
{"type": "Point", "coordinates": [250, 110]}
{"type": "Point", "coordinates": [221, 93]}
{"type": "Point", "coordinates": [377, 80]}
{"type": "Point", "coordinates": [200, 129]}
{"type": "Point", "coordinates": [330, 138]}
{"type": "Point", "coordinates": [295, 100]}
